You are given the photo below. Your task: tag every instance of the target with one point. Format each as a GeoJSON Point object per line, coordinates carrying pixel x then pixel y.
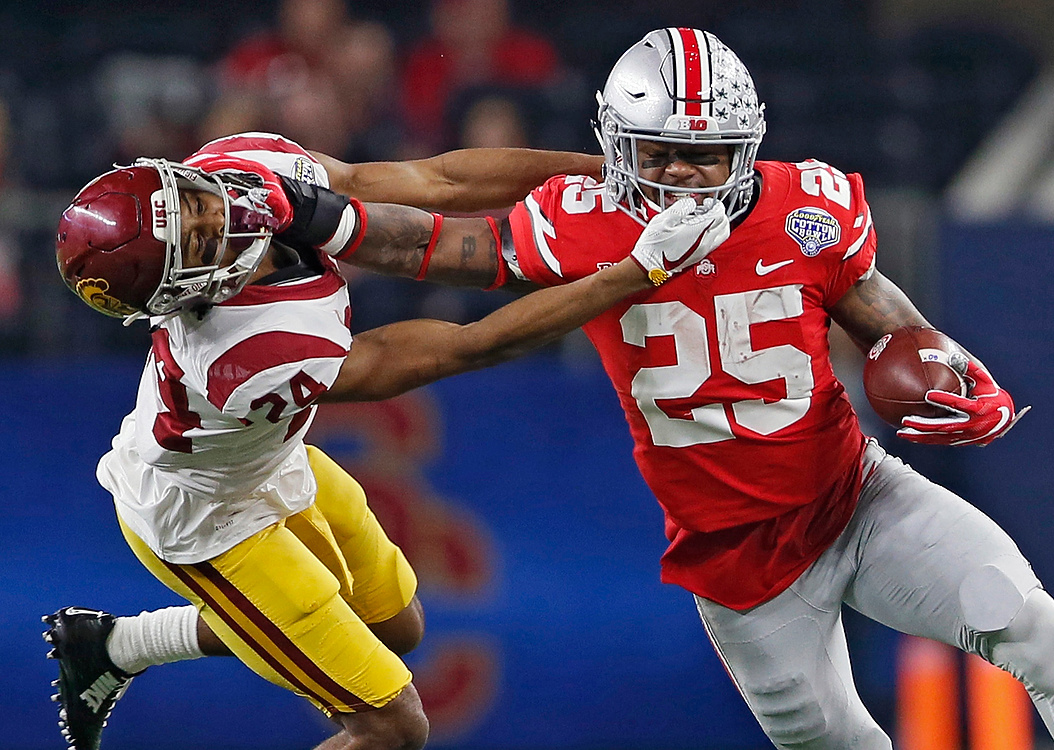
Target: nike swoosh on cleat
{"type": "Point", "coordinates": [762, 269]}
{"type": "Point", "coordinates": [79, 611]}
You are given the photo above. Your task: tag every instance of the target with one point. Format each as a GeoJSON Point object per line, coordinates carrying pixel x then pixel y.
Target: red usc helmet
{"type": "Point", "coordinates": [118, 243]}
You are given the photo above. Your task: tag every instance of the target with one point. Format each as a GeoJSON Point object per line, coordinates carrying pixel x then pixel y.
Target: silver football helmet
{"type": "Point", "coordinates": [681, 86]}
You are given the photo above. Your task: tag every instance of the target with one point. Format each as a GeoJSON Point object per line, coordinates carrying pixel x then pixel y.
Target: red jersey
{"type": "Point", "coordinates": [739, 425]}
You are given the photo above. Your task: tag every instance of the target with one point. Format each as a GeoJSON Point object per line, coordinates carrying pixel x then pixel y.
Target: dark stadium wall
{"type": "Point", "coordinates": [995, 285]}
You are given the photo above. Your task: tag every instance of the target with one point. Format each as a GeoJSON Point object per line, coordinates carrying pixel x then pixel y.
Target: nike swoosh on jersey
{"type": "Point", "coordinates": [762, 269]}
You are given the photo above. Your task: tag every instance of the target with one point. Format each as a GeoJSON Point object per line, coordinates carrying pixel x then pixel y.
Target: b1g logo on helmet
{"type": "Point", "coordinates": [813, 229]}
{"type": "Point", "coordinates": [685, 122]}
{"type": "Point", "coordinates": [96, 293]}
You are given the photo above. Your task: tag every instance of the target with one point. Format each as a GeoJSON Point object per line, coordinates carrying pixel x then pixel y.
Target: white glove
{"type": "Point", "coordinates": [679, 237]}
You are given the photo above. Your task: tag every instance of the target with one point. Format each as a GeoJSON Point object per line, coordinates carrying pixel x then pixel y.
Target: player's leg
{"type": "Point", "coordinates": [789, 659]}
{"type": "Point", "coordinates": [376, 580]}
{"type": "Point", "coordinates": [132, 652]}
{"type": "Point", "coordinates": [382, 582]}
{"type": "Point", "coordinates": [383, 728]}
{"type": "Point", "coordinates": [277, 607]}
{"type": "Point", "coordinates": [382, 574]}
{"type": "Point", "coordinates": [1025, 649]}
{"type": "Point", "coordinates": [931, 564]}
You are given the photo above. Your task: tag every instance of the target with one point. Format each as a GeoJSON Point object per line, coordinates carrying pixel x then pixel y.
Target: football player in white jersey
{"type": "Point", "coordinates": [778, 509]}
{"type": "Point", "coordinates": [230, 256]}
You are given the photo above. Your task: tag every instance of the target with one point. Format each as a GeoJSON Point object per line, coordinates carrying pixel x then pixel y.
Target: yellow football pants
{"type": "Point", "coordinates": [293, 600]}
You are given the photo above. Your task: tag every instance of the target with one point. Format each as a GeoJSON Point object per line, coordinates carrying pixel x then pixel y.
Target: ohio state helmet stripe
{"type": "Point", "coordinates": [692, 71]}
{"type": "Point", "coordinates": [261, 352]}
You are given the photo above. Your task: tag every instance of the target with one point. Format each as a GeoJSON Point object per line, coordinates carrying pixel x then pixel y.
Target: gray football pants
{"type": "Point", "coordinates": [915, 557]}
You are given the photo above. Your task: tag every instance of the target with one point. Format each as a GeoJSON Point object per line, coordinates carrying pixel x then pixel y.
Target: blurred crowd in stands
{"type": "Point", "coordinates": [82, 88]}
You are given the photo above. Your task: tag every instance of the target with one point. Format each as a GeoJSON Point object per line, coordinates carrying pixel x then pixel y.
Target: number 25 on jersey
{"type": "Point", "coordinates": [709, 423]}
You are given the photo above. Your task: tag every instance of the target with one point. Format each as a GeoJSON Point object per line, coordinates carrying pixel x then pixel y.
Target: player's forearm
{"type": "Point", "coordinates": [873, 307]}
{"type": "Point", "coordinates": [397, 241]}
{"type": "Point", "coordinates": [463, 180]}
{"type": "Point", "coordinates": [394, 240]}
{"type": "Point", "coordinates": [489, 178]}
{"type": "Point", "coordinates": [544, 316]}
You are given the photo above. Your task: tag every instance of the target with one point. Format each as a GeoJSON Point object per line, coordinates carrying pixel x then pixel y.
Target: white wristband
{"type": "Point", "coordinates": [345, 231]}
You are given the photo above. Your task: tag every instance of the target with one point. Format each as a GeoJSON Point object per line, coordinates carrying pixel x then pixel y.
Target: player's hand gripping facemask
{"type": "Point", "coordinates": [679, 237]}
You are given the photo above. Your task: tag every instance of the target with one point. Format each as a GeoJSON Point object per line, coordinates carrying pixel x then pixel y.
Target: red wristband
{"type": "Point", "coordinates": [360, 231]}
{"type": "Point", "coordinates": [423, 270]}
{"type": "Point", "coordinates": [503, 271]}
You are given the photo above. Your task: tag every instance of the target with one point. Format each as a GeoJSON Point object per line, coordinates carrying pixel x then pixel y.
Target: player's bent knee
{"type": "Point", "coordinates": [992, 595]}
{"type": "Point", "coordinates": [404, 632]}
{"type": "Point", "coordinates": [400, 724]}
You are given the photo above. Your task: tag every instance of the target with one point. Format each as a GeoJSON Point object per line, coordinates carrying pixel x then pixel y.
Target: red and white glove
{"type": "Point", "coordinates": [259, 204]}
{"type": "Point", "coordinates": [679, 237]}
{"type": "Point", "coordinates": [986, 414]}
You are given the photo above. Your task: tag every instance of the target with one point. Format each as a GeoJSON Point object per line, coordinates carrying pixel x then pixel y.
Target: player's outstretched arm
{"type": "Point", "coordinates": [452, 251]}
{"type": "Point", "coordinates": [399, 357]}
{"type": "Point", "coordinates": [463, 180]}
{"type": "Point", "coordinates": [396, 358]}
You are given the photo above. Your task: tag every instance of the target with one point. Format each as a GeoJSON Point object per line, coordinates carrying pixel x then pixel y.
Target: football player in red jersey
{"type": "Point", "coordinates": [778, 509]}
{"type": "Point", "coordinates": [230, 255]}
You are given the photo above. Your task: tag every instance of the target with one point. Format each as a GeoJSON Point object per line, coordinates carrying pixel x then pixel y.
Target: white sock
{"type": "Point", "coordinates": [152, 638]}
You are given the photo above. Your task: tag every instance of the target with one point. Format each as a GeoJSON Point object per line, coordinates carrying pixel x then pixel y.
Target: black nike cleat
{"type": "Point", "coordinates": [89, 683]}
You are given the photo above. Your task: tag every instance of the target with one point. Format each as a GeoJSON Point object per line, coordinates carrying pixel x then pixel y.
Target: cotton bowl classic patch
{"type": "Point", "coordinates": [813, 229]}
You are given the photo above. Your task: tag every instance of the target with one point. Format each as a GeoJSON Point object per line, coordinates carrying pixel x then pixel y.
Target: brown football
{"type": "Point", "coordinates": [906, 363]}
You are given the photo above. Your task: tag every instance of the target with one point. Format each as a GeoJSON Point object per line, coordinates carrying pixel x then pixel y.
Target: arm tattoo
{"type": "Point", "coordinates": [872, 308]}
{"type": "Point", "coordinates": [395, 241]}
{"type": "Point", "coordinates": [468, 250]}
{"type": "Point", "coordinates": [880, 302]}
{"type": "Point", "coordinates": [472, 261]}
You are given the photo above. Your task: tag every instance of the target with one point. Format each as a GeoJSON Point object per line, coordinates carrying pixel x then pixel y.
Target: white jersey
{"type": "Point", "coordinates": [214, 451]}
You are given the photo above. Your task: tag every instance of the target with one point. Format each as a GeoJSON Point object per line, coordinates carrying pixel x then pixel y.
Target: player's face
{"type": "Point", "coordinates": [202, 227]}
{"type": "Point", "coordinates": [692, 166]}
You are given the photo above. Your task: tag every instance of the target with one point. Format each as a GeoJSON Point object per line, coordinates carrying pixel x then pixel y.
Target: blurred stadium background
{"type": "Point", "coordinates": [513, 491]}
